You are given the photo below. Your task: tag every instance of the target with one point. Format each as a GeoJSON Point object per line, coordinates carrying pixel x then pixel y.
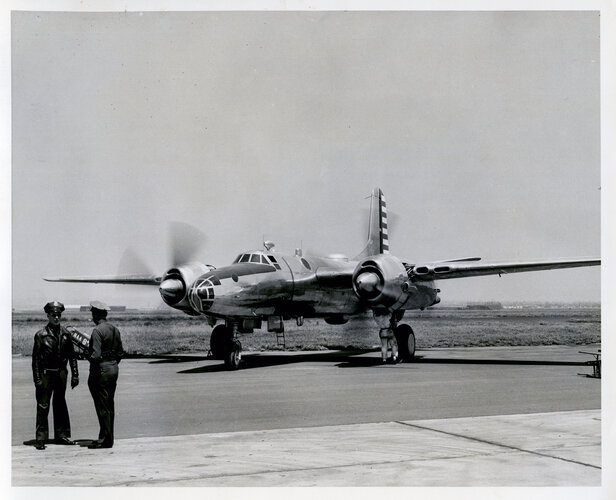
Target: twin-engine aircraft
{"type": "Point", "coordinates": [264, 286]}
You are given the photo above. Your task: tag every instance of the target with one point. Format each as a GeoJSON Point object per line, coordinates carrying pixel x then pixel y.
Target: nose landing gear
{"type": "Point", "coordinates": [233, 355]}
{"type": "Point", "coordinates": [224, 346]}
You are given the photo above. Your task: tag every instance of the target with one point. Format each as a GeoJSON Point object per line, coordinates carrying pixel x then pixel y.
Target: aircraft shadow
{"type": "Point", "coordinates": [175, 358]}
{"type": "Point", "coordinates": [352, 359]}
{"type": "Point", "coordinates": [350, 363]}
{"type": "Point", "coordinates": [498, 362]}
{"type": "Point", "coordinates": [250, 361]}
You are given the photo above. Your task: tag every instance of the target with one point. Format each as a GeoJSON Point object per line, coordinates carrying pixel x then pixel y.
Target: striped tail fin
{"type": "Point", "coordinates": [378, 239]}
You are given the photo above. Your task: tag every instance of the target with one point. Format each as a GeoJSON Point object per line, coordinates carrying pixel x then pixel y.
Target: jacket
{"type": "Point", "coordinates": [53, 352]}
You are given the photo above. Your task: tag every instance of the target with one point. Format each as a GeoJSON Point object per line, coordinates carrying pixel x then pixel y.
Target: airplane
{"type": "Point", "coordinates": [267, 287]}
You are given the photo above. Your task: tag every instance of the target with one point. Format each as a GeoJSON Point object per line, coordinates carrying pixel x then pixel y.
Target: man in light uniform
{"type": "Point", "coordinates": [387, 322]}
{"type": "Point", "coordinates": [105, 352]}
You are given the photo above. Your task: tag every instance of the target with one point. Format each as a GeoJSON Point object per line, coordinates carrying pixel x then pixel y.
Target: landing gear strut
{"type": "Point", "coordinates": [224, 345]}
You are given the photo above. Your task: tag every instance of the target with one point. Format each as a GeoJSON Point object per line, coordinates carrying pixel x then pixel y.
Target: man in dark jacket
{"type": "Point", "coordinates": [105, 352]}
{"type": "Point", "coordinates": [53, 348]}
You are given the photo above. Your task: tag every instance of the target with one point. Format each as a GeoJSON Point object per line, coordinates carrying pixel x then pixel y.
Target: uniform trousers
{"type": "Point", "coordinates": [53, 383]}
{"type": "Point", "coordinates": [102, 383]}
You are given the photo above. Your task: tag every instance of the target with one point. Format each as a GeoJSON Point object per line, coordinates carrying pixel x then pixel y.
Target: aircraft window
{"type": "Point", "coordinates": [305, 262]}
{"type": "Point", "coordinates": [245, 258]}
{"type": "Point", "coordinates": [255, 258]}
{"type": "Point", "coordinates": [268, 258]}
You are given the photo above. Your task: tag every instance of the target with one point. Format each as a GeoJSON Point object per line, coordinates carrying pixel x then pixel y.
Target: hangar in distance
{"type": "Point", "coordinates": [265, 287]}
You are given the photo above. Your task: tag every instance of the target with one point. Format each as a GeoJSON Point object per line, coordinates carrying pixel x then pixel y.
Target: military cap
{"type": "Point", "coordinates": [54, 306]}
{"type": "Point", "coordinates": [101, 306]}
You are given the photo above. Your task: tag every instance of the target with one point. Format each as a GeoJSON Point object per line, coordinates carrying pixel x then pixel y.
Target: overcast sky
{"type": "Point", "coordinates": [482, 129]}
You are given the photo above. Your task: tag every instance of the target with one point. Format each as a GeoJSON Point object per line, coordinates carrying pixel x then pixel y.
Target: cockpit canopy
{"type": "Point", "coordinates": [257, 258]}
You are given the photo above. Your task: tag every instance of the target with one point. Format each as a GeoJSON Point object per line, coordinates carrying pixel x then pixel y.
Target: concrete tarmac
{"type": "Point", "coordinates": [456, 417]}
{"type": "Point", "coordinates": [543, 449]}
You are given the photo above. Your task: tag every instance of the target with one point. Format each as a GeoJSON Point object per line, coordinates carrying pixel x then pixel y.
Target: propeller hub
{"type": "Point", "coordinates": [170, 288]}
{"type": "Point", "coordinates": [368, 282]}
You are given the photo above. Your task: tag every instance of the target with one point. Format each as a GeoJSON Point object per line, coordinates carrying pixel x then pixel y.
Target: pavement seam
{"type": "Point", "coordinates": [492, 443]}
{"type": "Point", "coordinates": [282, 471]}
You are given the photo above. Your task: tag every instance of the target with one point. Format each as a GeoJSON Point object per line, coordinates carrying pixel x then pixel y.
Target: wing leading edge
{"type": "Point", "coordinates": [130, 279]}
{"type": "Point", "coordinates": [460, 268]}
{"type": "Point", "coordinates": [465, 269]}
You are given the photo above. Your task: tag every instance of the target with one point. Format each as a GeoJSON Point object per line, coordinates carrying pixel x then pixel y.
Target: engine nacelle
{"type": "Point", "coordinates": [379, 281]}
{"type": "Point", "coordinates": [176, 283]}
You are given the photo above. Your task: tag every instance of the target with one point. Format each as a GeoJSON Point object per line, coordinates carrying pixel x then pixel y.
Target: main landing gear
{"type": "Point", "coordinates": [224, 345]}
{"type": "Point", "coordinates": [406, 342]}
{"type": "Point", "coordinates": [405, 338]}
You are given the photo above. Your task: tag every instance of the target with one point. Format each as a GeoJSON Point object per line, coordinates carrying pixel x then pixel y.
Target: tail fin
{"type": "Point", "coordinates": [378, 239]}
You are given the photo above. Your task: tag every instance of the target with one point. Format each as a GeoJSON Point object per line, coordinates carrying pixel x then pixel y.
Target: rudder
{"type": "Point", "coordinates": [378, 237]}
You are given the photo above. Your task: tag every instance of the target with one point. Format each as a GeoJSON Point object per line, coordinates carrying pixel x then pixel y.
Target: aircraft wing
{"type": "Point", "coordinates": [129, 279]}
{"type": "Point", "coordinates": [467, 268]}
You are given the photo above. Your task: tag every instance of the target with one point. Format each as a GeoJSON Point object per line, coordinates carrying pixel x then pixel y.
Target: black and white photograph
{"type": "Point", "coordinates": [308, 245]}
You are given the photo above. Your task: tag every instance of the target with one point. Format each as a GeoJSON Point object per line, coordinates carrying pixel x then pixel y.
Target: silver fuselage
{"type": "Point", "coordinates": [305, 286]}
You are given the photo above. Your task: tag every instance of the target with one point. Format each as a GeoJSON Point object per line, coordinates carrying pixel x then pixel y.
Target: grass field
{"type": "Point", "coordinates": [167, 332]}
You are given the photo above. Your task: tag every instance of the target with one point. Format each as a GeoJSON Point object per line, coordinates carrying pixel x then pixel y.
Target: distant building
{"type": "Point", "coordinates": [485, 306]}
{"type": "Point", "coordinates": [113, 308]}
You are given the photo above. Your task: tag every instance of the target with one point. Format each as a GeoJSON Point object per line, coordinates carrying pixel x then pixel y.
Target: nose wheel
{"type": "Point", "coordinates": [233, 356]}
{"type": "Point", "coordinates": [224, 346]}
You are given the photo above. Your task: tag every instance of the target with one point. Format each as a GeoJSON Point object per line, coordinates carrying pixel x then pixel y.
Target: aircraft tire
{"type": "Point", "coordinates": [406, 342]}
{"type": "Point", "coordinates": [221, 334]}
{"type": "Point", "coordinates": [233, 357]}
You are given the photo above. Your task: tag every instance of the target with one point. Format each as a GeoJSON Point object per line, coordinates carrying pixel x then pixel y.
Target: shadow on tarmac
{"type": "Point", "coordinates": [344, 359]}
{"type": "Point", "coordinates": [250, 361]}
{"type": "Point", "coordinates": [79, 442]}
{"type": "Point", "coordinates": [467, 361]}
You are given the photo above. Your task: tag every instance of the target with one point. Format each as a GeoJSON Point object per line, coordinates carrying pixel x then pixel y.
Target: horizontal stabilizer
{"type": "Point", "coordinates": [465, 259]}
{"type": "Point", "coordinates": [130, 279]}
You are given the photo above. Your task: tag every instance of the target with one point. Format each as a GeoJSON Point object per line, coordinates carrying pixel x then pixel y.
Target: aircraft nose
{"type": "Point", "coordinates": [202, 294]}
{"type": "Point", "coordinates": [205, 291]}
